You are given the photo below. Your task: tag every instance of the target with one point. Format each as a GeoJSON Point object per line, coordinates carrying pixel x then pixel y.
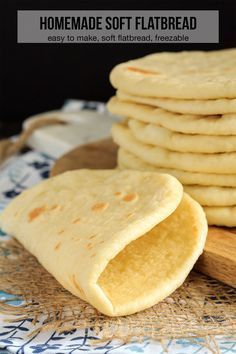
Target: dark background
{"type": "Point", "coordinates": [39, 77]}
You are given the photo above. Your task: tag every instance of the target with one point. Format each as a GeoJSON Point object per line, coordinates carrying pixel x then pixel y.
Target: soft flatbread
{"type": "Point", "coordinates": [195, 107]}
{"type": "Point", "coordinates": [212, 195]}
{"type": "Point", "coordinates": [221, 216]}
{"type": "Point", "coordinates": [120, 240]}
{"type": "Point", "coordinates": [187, 124]}
{"type": "Point", "coordinates": [157, 156]}
{"type": "Point", "coordinates": [154, 134]}
{"type": "Point", "coordinates": [185, 75]}
{"type": "Point", "coordinates": [126, 160]}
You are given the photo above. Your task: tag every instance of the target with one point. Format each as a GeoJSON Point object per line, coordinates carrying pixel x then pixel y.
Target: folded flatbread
{"type": "Point", "coordinates": [120, 240]}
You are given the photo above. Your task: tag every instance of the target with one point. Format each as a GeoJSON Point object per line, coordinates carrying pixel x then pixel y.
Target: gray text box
{"type": "Point", "coordinates": [118, 26]}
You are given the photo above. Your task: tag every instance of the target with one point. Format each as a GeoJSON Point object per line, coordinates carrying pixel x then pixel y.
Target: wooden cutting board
{"type": "Point", "coordinates": [219, 257]}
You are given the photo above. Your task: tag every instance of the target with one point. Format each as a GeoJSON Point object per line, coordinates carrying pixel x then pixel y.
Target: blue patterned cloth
{"type": "Point", "coordinates": [16, 175]}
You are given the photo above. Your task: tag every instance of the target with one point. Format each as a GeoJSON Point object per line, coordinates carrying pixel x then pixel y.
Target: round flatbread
{"type": "Point", "coordinates": [195, 107]}
{"type": "Point", "coordinates": [105, 234]}
{"type": "Point", "coordinates": [207, 163]}
{"type": "Point", "coordinates": [221, 216]}
{"type": "Point", "coordinates": [154, 134]}
{"type": "Point", "coordinates": [185, 75]}
{"type": "Point", "coordinates": [212, 196]}
{"type": "Point", "coordinates": [188, 124]}
{"type": "Point", "coordinates": [126, 160]}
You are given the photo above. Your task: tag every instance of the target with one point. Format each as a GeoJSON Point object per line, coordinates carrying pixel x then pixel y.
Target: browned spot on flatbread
{"type": "Point", "coordinates": [33, 214]}
{"type": "Point", "coordinates": [77, 239]}
{"type": "Point", "coordinates": [92, 237]}
{"type": "Point", "coordinates": [89, 245]}
{"type": "Point", "coordinates": [117, 194]}
{"type": "Point", "coordinates": [61, 232]}
{"type": "Point", "coordinates": [58, 245]}
{"type": "Point", "coordinates": [141, 71]}
{"type": "Point", "coordinates": [99, 206]}
{"type": "Point", "coordinates": [76, 284]}
{"type": "Point", "coordinates": [129, 215]}
{"type": "Point", "coordinates": [76, 221]}
{"type": "Point", "coordinates": [130, 197]}
{"type": "Point", "coordinates": [56, 207]}
{"type": "Point", "coordinates": [93, 255]}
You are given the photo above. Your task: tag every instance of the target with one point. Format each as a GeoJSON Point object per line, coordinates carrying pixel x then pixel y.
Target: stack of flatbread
{"type": "Point", "coordinates": [180, 118]}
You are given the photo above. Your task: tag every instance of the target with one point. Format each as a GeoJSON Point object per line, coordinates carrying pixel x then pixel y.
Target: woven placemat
{"type": "Point", "coordinates": [200, 307]}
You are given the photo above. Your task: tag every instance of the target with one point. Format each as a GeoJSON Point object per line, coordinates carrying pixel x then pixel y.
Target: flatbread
{"type": "Point", "coordinates": [188, 124]}
{"type": "Point", "coordinates": [126, 160]}
{"type": "Point", "coordinates": [221, 216]}
{"type": "Point", "coordinates": [120, 240]}
{"type": "Point", "coordinates": [185, 75]}
{"type": "Point", "coordinates": [154, 134]}
{"type": "Point", "coordinates": [212, 196]}
{"type": "Point", "coordinates": [157, 156]}
{"type": "Point", "coordinates": [195, 107]}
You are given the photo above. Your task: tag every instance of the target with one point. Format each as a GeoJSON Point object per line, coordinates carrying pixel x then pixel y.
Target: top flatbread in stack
{"type": "Point", "coordinates": [183, 75]}
{"type": "Point", "coordinates": [120, 240]}
{"type": "Point", "coordinates": [180, 111]}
